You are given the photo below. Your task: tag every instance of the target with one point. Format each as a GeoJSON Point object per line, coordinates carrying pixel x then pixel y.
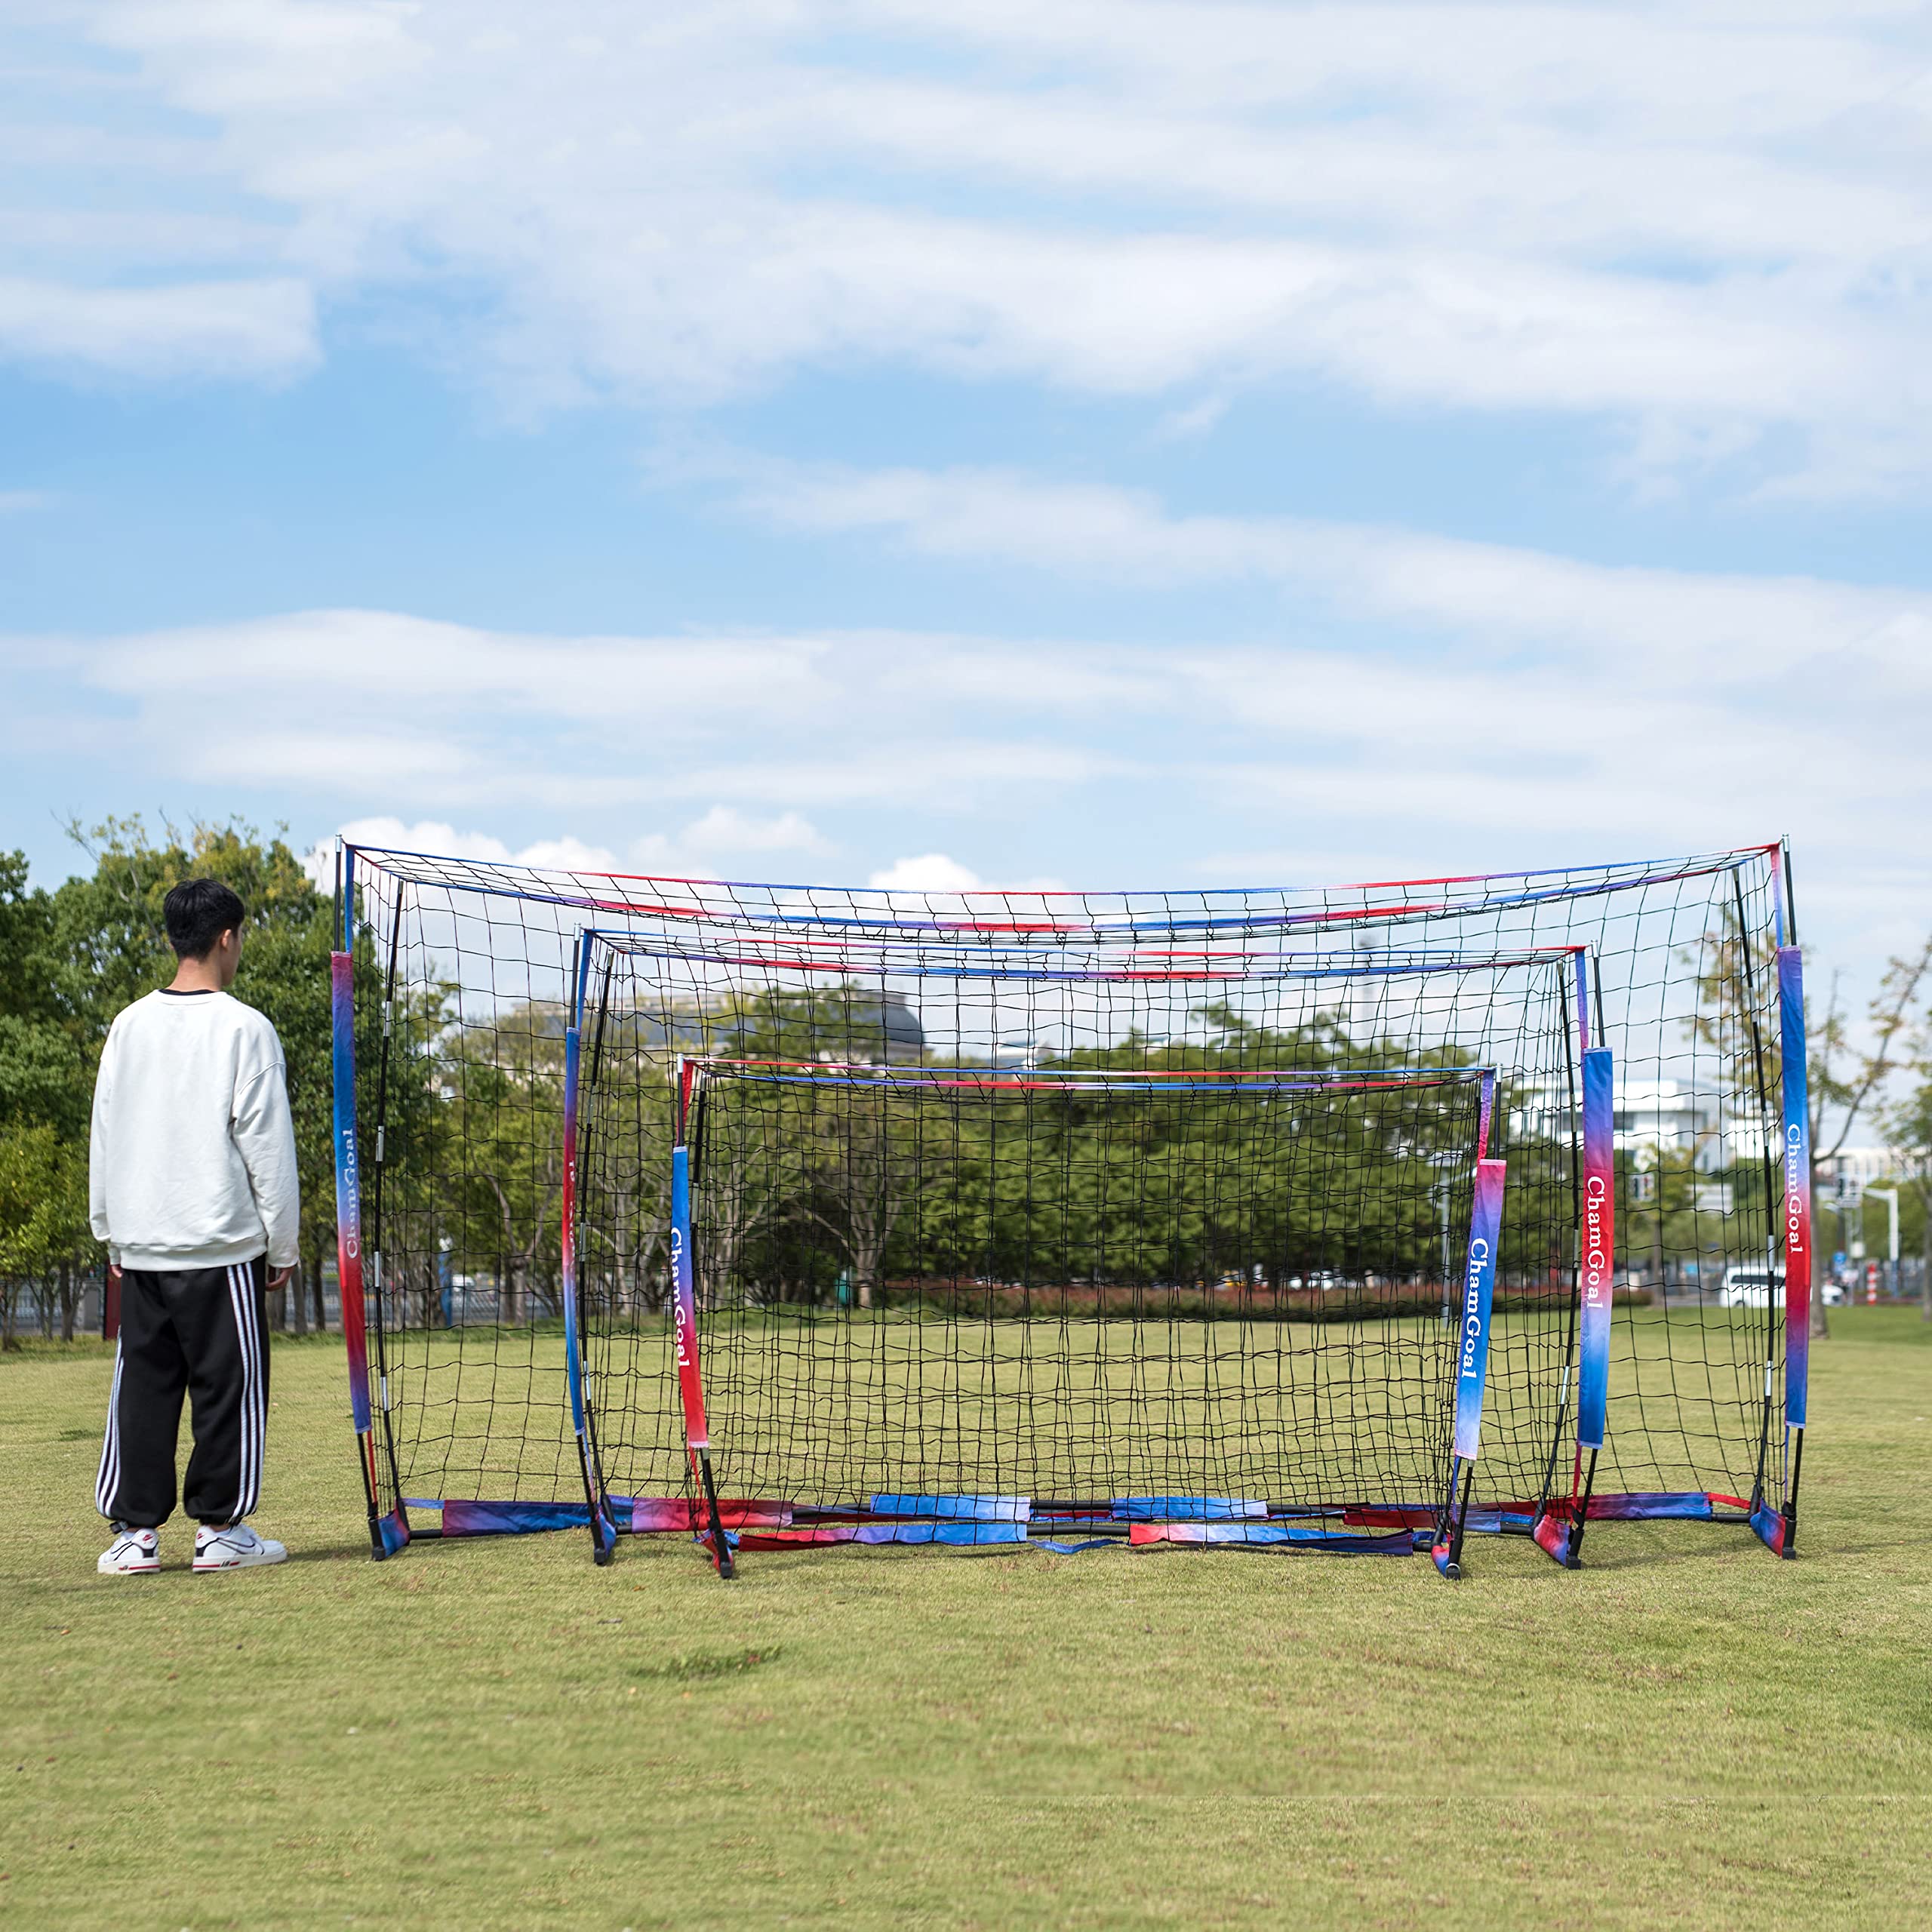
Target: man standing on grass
{"type": "Point", "coordinates": [193, 1188]}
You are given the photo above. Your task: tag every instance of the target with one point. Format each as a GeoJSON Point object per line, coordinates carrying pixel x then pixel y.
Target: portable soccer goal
{"type": "Point", "coordinates": [785, 1214]}
{"type": "Point", "coordinates": [961, 1301]}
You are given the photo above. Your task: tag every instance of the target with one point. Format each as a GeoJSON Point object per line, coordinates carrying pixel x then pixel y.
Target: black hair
{"type": "Point", "coordinates": [199, 911]}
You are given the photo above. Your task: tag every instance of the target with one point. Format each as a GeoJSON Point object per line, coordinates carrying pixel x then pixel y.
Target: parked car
{"type": "Point", "coordinates": [1747, 1285]}
{"type": "Point", "coordinates": [1750, 1285]}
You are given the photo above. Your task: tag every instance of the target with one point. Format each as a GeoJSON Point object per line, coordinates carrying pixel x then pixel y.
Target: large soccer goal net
{"type": "Point", "coordinates": [1083, 1199]}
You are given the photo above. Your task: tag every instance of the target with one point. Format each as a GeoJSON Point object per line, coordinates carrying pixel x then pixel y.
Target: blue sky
{"type": "Point", "coordinates": [1112, 442]}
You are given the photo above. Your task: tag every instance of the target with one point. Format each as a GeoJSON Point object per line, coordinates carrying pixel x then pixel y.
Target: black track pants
{"type": "Point", "coordinates": [201, 1331]}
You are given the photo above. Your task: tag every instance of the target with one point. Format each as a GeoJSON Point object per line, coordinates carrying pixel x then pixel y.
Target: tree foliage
{"type": "Point", "coordinates": [894, 1184]}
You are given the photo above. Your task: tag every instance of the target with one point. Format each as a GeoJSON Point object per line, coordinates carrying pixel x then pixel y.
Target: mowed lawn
{"type": "Point", "coordinates": [497, 1734]}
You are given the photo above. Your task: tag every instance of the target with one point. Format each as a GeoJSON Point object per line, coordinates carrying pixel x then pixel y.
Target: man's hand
{"type": "Point", "coordinates": [279, 1277]}
{"type": "Point", "coordinates": [114, 1274]}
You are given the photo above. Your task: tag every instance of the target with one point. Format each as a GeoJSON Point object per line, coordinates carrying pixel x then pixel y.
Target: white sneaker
{"type": "Point", "coordinates": [234, 1548]}
{"type": "Point", "coordinates": [132, 1553]}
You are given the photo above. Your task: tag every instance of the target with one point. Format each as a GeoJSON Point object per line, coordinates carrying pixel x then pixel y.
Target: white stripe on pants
{"type": "Point", "coordinates": [109, 1480]}
{"type": "Point", "coordinates": [241, 1293]}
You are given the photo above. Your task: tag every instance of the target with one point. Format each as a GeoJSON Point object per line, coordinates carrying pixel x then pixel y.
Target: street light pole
{"type": "Point", "coordinates": [1890, 1196]}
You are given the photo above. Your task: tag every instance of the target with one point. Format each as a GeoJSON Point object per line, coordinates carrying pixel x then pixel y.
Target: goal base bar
{"type": "Point", "coordinates": [1257, 1536]}
{"type": "Point", "coordinates": [648, 1515]}
{"type": "Point", "coordinates": [761, 1523]}
{"type": "Point", "coordinates": [939, 1531]}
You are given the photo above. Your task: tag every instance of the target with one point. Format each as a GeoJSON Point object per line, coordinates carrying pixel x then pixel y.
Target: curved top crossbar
{"type": "Point", "coordinates": [1033, 917]}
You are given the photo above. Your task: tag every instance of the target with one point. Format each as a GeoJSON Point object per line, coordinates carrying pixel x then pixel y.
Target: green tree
{"type": "Point", "coordinates": [624, 1167]}
{"type": "Point", "coordinates": [504, 1198]}
{"type": "Point", "coordinates": [848, 1172]}
{"type": "Point", "coordinates": [44, 1068]}
{"type": "Point", "coordinates": [45, 1246]}
{"type": "Point", "coordinates": [44, 1240]}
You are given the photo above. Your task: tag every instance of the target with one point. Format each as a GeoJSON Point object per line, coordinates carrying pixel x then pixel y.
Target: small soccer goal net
{"type": "Point", "coordinates": [1099, 1296]}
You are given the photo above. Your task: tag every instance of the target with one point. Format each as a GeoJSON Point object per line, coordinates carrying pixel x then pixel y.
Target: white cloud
{"type": "Point", "coordinates": [935, 872]}
{"type": "Point", "coordinates": [390, 659]}
{"type": "Point", "coordinates": [725, 829]}
{"type": "Point", "coordinates": [1472, 687]}
{"type": "Point", "coordinates": [930, 872]}
{"type": "Point", "coordinates": [1711, 225]}
{"type": "Point", "coordinates": [1460, 705]}
{"type": "Point", "coordinates": [935, 765]}
{"type": "Point", "coordinates": [567, 855]}
{"type": "Point", "coordinates": [253, 329]}
{"type": "Point", "coordinates": [425, 836]}
{"type": "Point", "coordinates": [438, 836]}
{"type": "Point", "coordinates": [277, 57]}
{"type": "Point", "coordinates": [720, 830]}
{"type": "Point", "coordinates": [757, 730]}
{"type": "Point", "coordinates": [1729, 625]}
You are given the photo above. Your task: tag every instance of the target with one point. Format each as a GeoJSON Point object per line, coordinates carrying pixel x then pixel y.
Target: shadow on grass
{"type": "Point", "coordinates": [1711, 1548]}
{"type": "Point", "coordinates": [355, 1550]}
{"type": "Point", "coordinates": [700, 1666]}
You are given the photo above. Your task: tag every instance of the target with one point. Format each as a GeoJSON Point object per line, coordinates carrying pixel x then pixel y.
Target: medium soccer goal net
{"type": "Point", "coordinates": [1023, 1215]}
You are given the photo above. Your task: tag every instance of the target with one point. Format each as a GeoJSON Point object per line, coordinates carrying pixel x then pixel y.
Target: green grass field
{"type": "Point", "coordinates": [497, 1734]}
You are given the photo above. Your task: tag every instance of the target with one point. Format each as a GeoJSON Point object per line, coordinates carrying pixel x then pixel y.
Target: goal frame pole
{"type": "Point", "coordinates": [690, 1381]}
{"type": "Point", "coordinates": [1561, 1533]}
{"type": "Point", "coordinates": [1777, 1529]}
{"type": "Point", "coordinates": [387, 1532]}
{"type": "Point", "coordinates": [1472, 1363]}
{"type": "Point", "coordinates": [603, 1535]}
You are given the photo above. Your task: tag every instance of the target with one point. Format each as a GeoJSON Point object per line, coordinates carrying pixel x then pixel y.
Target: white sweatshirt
{"type": "Point", "coordinates": [193, 1156]}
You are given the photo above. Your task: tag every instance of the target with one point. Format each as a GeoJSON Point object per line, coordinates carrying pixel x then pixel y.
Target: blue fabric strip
{"type": "Point", "coordinates": [957, 1509]}
{"type": "Point", "coordinates": [512, 1519]}
{"type": "Point", "coordinates": [1691, 1506]}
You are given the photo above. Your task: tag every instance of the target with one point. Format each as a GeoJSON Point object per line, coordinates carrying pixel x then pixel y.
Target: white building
{"type": "Point", "coordinates": [1859, 1163]}
{"type": "Point", "coordinates": [1659, 1117]}
{"type": "Point", "coordinates": [1666, 1117]}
